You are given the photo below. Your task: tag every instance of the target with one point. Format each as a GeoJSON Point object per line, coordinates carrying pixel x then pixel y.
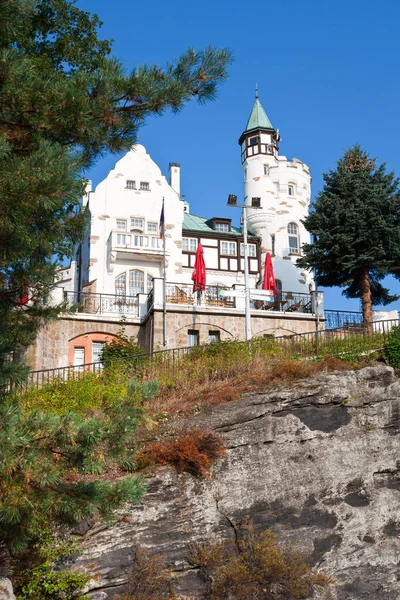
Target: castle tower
{"type": "Point", "coordinates": [284, 189]}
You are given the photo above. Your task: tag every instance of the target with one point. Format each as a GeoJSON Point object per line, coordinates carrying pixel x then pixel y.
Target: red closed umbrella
{"type": "Point", "coordinates": [269, 279]}
{"type": "Point", "coordinates": [199, 273]}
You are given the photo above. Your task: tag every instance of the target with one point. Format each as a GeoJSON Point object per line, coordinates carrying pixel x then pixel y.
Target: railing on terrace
{"type": "Point", "coordinates": [213, 295]}
{"type": "Point", "coordinates": [286, 302]}
{"type": "Point", "coordinates": [216, 295]}
{"type": "Point", "coordinates": [342, 318]}
{"type": "Point", "coordinates": [101, 304]}
{"type": "Point", "coordinates": [331, 342]}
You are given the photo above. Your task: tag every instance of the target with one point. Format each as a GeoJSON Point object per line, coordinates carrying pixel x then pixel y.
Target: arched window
{"type": "Point", "coordinates": [120, 285]}
{"type": "Point", "coordinates": [293, 232]}
{"type": "Point", "coordinates": [132, 283]}
{"type": "Point", "coordinates": [136, 282]}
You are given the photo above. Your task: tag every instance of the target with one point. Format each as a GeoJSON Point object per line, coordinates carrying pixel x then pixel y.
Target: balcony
{"type": "Point", "coordinates": [213, 295]}
{"type": "Point", "coordinates": [103, 304]}
{"type": "Point", "coordinates": [126, 243]}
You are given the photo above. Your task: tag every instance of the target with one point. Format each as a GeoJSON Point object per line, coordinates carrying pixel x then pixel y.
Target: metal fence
{"type": "Point", "coordinates": [337, 342]}
{"type": "Point", "coordinates": [286, 302]}
{"type": "Point", "coordinates": [342, 318]}
{"type": "Point", "coordinates": [100, 304]}
{"type": "Point", "coordinates": [213, 295]}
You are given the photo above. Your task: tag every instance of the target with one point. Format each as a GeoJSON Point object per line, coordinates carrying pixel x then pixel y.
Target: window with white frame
{"type": "Point", "coordinates": [123, 239]}
{"type": "Point", "coordinates": [224, 227]}
{"type": "Point", "coordinates": [79, 358]}
{"type": "Point", "coordinates": [152, 227]}
{"type": "Point", "coordinates": [120, 285]}
{"type": "Point", "coordinates": [130, 184]}
{"type": "Point", "coordinates": [189, 244]}
{"type": "Point", "coordinates": [293, 236]}
{"type": "Point", "coordinates": [144, 185]}
{"type": "Point", "coordinates": [136, 282]}
{"type": "Point", "coordinates": [266, 170]}
{"type": "Point", "coordinates": [121, 224]}
{"type": "Point", "coordinates": [193, 337]}
{"type": "Point", "coordinates": [228, 248]}
{"type": "Point", "coordinates": [252, 252]}
{"type": "Point", "coordinates": [97, 350]}
{"type": "Point", "coordinates": [137, 223]}
{"type": "Point", "coordinates": [290, 189]}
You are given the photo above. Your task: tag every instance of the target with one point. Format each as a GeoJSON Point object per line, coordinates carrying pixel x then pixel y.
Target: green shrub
{"type": "Point", "coordinates": [44, 577]}
{"type": "Point", "coordinates": [87, 393]}
{"type": "Point", "coordinates": [391, 350]}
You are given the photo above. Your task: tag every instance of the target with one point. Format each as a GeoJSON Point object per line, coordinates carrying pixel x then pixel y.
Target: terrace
{"type": "Point", "coordinates": [213, 297]}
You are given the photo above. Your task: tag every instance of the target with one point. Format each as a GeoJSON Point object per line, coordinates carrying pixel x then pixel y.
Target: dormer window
{"type": "Point", "coordinates": [130, 184]}
{"type": "Point", "coordinates": [137, 223]}
{"type": "Point", "coordinates": [221, 225]}
{"type": "Point", "coordinates": [145, 186]}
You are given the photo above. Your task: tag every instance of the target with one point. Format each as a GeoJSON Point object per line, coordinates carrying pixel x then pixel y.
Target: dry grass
{"type": "Point", "coordinates": [190, 396]}
{"type": "Point", "coordinates": [193, 452]}
{"type": "Point", "coordinates": [254, 567]}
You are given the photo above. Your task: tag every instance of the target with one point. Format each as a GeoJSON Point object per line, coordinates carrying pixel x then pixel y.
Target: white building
{"type": "Point", "coordinates": [283, 187]}
{"type": "Point", "coordinates": [119, 268]}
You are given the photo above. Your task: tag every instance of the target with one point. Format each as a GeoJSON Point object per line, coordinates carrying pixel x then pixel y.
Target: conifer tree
{"type": "Point", "coordinates": [355, 227]}
{"type": "Point", "coordinates": [64, 101]}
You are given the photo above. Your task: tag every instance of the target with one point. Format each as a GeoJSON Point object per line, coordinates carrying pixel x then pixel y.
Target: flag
{"type": "Point", "coordinates": [161, 227]}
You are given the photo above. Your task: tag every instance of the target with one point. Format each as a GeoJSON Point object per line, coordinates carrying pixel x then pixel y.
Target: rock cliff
{"type": "Point", "coordinates": [316, 461]}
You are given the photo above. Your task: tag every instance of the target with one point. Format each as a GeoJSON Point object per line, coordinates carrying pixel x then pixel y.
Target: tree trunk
{"type": "Point", "coordinates": [366, 303]}
{"type": "Point", "coordinates": [5, 561]}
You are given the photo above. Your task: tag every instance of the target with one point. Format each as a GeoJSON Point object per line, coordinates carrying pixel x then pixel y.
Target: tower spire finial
{"type": "Point", "coordinates": [256, 91]}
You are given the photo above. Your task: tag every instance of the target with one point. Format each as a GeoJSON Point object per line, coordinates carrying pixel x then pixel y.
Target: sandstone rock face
{"type": "Point", "coordinates": [318, 462]}
{"type": "Point", "coordinates": [6, 590]}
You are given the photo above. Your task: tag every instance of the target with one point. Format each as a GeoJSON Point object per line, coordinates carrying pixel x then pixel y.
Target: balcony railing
{"type": "Point", "coordinates": [135, 241]}
{"type": "Point", "coordinates": [101, 304]}
{"type": "Point", "coordinates": [213, 295]}
{"type": "Point", "coordinates": [286, 302]}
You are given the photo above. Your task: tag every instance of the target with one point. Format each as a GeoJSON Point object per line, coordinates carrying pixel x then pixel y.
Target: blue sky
{"type": "Point", "coordinates": [328, 76]}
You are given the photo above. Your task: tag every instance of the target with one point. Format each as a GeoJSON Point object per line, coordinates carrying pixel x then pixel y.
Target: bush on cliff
{"type": "Point", "coordinates": [254, 567]}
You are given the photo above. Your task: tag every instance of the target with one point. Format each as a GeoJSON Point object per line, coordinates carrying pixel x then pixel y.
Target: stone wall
{"type": "Point", "coordinates": [53, 346]}
{"type": "Point", "coordinates": [50, 349]}
{"type": "Point", "coordinates": [229, 324]}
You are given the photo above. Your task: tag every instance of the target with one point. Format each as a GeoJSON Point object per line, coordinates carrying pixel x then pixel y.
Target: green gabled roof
{"type": "Point", "coordinates": [258, 118]}
{"type": "Point", "coordinates": [195, 224]}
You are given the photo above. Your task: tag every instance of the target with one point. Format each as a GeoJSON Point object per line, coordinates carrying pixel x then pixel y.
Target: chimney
{"type": "Point", "coordinates": [175, 177]}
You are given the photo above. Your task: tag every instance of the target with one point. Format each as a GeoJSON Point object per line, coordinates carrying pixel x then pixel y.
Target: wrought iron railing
{"type": "Point", "coordinates": [342, 318]}
{"type": "Point", "coordinates": [213, 295]}
{"type": "Point", "coordinates": [150, 300]}
{"type": "Point", "coordinates": [101, 304]}
{"type": "Point", "coordinates": [331, 342]}
{"type": "Point", "coordinates": [286, 302]}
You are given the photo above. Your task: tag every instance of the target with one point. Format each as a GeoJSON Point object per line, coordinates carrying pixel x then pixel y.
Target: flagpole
{"type": "Point", "coordinates": [164, 300]}
{"type": "Point", "coordinates": [164, 282]}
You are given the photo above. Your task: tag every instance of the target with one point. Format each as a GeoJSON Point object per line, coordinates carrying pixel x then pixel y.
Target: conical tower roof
{"type": "Point", "coordinates": [258, 118]}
